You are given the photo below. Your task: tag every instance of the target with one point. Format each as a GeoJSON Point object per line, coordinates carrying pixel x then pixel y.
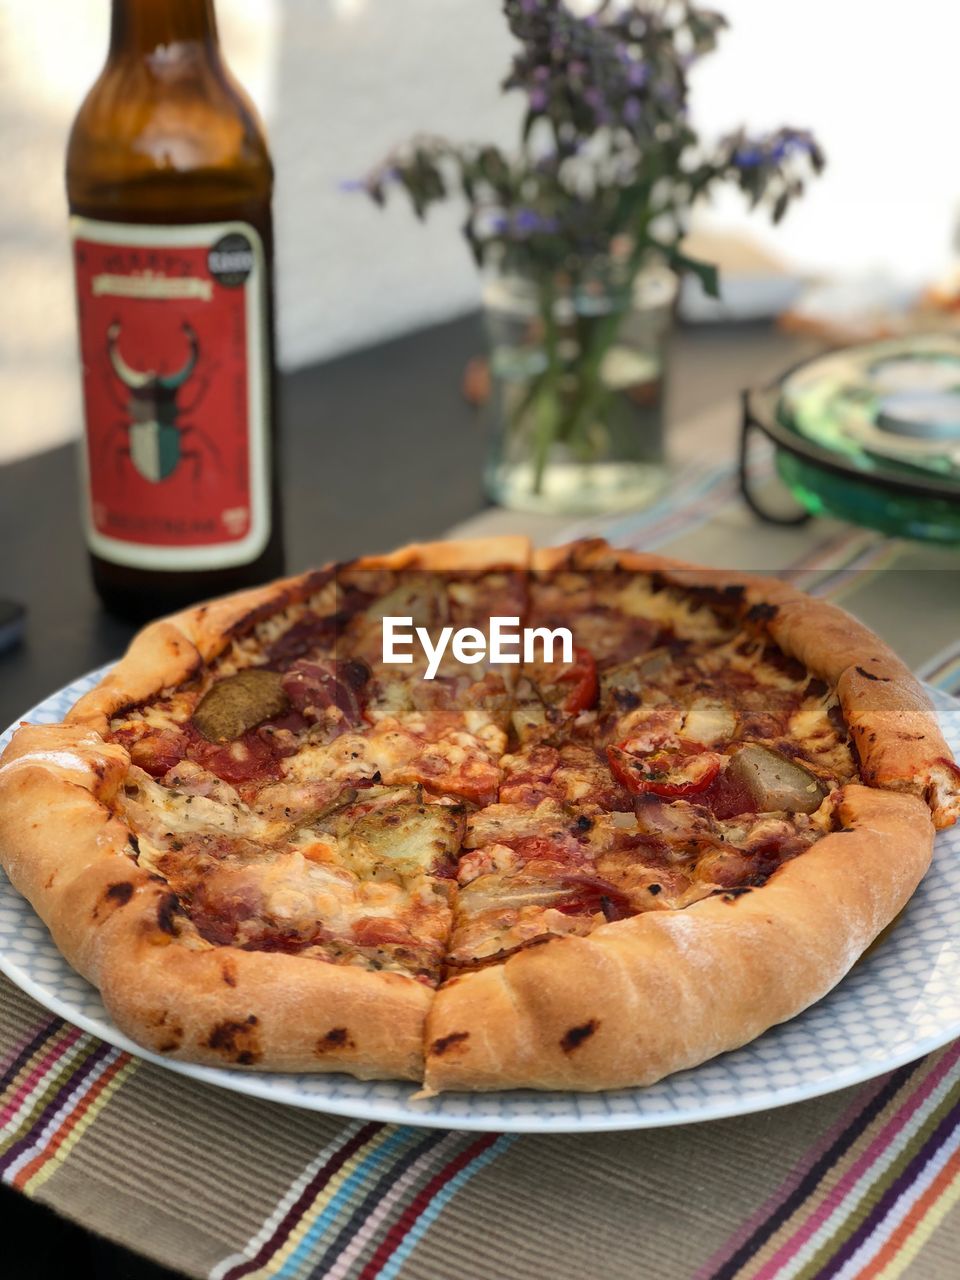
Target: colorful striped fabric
{"type": "Point", "coordinates": [51, 1089]}
{"type": "Point", "coordinates": [861, 1204]}
{"type": "Point", "coordinates": [867, 1197]}
{"type": "Point", "coordinates": [862, 1197]}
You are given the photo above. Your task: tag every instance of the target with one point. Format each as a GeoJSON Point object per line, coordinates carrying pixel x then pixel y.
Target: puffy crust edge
{"type": "Point", "coordinates": [552, 1016]}
{"type": "Point", "coordinates": [171, 650]}
{"type": "Point", "coordinates": [892, 722]}
{"type": "Point", "coordinates": [72, 858]}
{"type": "Point", "coordinates": [641, 998]}
{"type": "Point", "coordinates": [168, 652]}
{"type": "Point", "coordinates": [116, 924]}
{"type": "Point", "coordinates": [508, 551]}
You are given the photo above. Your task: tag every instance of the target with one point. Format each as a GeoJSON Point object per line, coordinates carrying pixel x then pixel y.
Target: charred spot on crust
{"type": "Point", "coordinates": [731, 895]}
{"type": "Point", "coordinates": [762, 612]}
{"type": "Point", "coordinates": [654, 889]}
{"type": "Point", "coordinates": [575, 1037]}
{"type": "Point", "coordinates": [167, 908]}
{"type": "Point", "coordinates": [173, 1041]}
{"type": "Point", "coordinates": [120, 893]}
{"type": "Point", "coordinates": [583, 823]}
{"type": "Point", "coordinates": [335, 1038]}
{"type": "Point", "coordinates": [440, 1047]}
{"type": "Point", "coordinates": [229, 972]}
{"type": "Point", "coordinates": [868, 675]}
{"type": "Point", "coordinates": [236, 1040]}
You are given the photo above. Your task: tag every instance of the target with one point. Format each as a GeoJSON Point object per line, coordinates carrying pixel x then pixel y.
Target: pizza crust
{"type": "Point", "coordinates": [641, 998]}
{"type": "Point", "coordinates": [626, 1005]}
{"type": "Point", "coordinates": [113, 922]}
{"type": "Point", "coordinates": [66, 852]}
{"type": "Point", "coordinates": [893, 724]}
{"type": "Point", "coordinates": [171, 650]}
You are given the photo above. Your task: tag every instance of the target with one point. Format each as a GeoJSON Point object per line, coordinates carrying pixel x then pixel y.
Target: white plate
{"type": "Point", "coordinates": [901, 1001]}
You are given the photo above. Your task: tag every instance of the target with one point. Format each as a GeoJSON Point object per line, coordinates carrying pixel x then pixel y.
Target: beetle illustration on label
{"type": "Point", "coordinates": [155, 436]}
{"type": "Point", "coordinates": [173, 335]}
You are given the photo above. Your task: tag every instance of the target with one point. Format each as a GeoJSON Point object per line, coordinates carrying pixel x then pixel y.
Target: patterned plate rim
{"type": "Point", "coordinates": [479, 1111]}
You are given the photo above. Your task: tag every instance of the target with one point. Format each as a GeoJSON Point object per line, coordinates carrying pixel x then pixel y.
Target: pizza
{"type": "Point", "coordinates": [331, 825]}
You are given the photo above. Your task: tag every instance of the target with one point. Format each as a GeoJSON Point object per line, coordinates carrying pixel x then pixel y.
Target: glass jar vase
{"type": "Point", "coordinates": [577, 389]}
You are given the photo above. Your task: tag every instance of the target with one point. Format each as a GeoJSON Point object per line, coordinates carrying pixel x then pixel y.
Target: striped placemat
{"type": "Point", "coordinates": [867, 1181]}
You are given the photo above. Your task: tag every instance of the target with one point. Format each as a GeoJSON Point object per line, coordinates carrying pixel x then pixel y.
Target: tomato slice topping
{"type": "Point", "coordinates": [671, 774]}
{"type": "Point", "coordinates": [582, 674]}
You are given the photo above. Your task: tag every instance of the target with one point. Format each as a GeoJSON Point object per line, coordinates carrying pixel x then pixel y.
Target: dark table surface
{"type": "Point", "coordinates": [380, 448]}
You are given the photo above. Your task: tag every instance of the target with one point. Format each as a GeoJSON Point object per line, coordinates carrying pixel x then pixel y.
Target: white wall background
{"type": "Point", "coordinates": [340, 81]}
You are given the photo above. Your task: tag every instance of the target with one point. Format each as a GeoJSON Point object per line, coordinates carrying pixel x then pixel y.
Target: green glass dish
{"type": "Point", "coordinates": [870, 434]}
{"type": "Point", "coordinates": [825, 493]}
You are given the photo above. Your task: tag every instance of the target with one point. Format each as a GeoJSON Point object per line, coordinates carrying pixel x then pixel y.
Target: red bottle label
{"type": "Point", "coordinates": [173, 344]}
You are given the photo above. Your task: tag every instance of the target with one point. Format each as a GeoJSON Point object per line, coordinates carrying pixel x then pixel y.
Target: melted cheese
{"type": "Point", "coordinates": [352, 755]}
{"type": "Point", "coordinates": [158, 811]}
{"type": "Point", "coordinates": [689, 620]}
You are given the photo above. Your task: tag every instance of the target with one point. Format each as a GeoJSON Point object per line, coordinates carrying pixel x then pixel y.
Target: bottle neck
{"type": "Point", "coordinates": [140, 26]}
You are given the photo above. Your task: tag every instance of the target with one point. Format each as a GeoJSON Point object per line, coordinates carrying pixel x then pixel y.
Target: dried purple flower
{"type": "Point", "coordinates": [606, 124]}
{"type": "Point", "coordinates": [607, 167]}
{"type": "Point", "coordinates": [529, 221]}
{"type": "Point", "coordinates": [637, 75]}
{"type": "Point", "coordinates": [748, 157]}
{"type": "Point", "coordinates": [790, 142]}
{"type": "Point", "coordinates": [632, 110]}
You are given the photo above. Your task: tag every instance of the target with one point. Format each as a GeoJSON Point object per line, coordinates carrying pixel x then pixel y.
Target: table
{"type": "Point", "coordinates": [858, 1183]}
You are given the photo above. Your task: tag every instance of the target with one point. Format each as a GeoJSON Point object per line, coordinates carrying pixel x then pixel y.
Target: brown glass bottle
{"type": "Point", "coordinates": [169, 183]}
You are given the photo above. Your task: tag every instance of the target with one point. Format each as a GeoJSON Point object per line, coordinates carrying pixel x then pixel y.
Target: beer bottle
{"type": "Point", "coordinates": [169, 183]}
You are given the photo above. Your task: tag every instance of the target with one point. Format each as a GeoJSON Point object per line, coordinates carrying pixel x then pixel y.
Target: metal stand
{"type": "Point", "coordinates": [753, 420]}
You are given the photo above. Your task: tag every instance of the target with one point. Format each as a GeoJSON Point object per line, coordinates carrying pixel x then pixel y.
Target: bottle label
{"type": "Point", "coordinates": [174, 348]}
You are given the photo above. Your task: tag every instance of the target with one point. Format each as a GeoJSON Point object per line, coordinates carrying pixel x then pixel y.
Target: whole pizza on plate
{"type": "Point", "coordinates": [268, 845]}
